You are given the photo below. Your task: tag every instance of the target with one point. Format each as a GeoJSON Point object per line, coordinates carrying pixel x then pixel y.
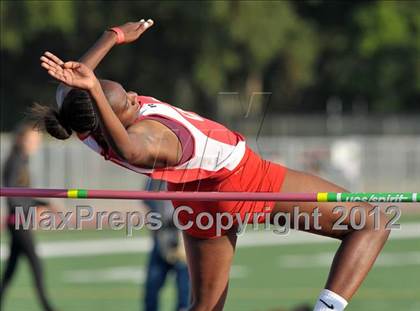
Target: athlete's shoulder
{"type": "Point", "coordinates": [145, 100]}
{"type": "Point", "coordinates": [149, 102]}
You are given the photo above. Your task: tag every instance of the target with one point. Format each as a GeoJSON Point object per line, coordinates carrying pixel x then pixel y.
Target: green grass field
{"type": "Point", "coordinates": [263, 278]}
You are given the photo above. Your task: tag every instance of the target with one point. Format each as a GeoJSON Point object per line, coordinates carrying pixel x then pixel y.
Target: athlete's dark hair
{"type": "Point", "coordinates": [76, 114]}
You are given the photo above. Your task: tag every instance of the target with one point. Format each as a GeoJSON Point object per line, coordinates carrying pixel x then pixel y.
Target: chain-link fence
{"type": "Point", "coordinates": [361, 163]}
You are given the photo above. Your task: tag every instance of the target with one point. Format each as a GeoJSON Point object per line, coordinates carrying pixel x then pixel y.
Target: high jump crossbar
{"type": "Point", "coordinates": [395, 197]}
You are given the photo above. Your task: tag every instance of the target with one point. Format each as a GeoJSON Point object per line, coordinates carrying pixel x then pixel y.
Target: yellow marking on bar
{"type": "Point", "coordinates": [322, 197]}
{"type": "Point", "coordinates": [72, 193]}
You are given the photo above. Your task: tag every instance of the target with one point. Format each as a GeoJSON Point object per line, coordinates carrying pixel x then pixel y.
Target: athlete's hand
{"type": "Point", "coordinates": [133, 30]}
{"type": "Point", "coordinates": [73, 74]}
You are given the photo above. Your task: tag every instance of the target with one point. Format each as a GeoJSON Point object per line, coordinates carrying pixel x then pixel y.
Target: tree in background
{"type": "Point", "coordinates": [302, 52]}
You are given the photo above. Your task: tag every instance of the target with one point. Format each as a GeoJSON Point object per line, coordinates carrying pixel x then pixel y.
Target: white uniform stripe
{"type": "Point", "coordinates": [212, 153]}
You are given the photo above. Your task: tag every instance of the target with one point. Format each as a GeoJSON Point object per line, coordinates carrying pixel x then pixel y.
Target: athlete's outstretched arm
{"type": "Point", "coordinates": [78, 75]}
{"type": "Point", "coordinates": [132, 31]}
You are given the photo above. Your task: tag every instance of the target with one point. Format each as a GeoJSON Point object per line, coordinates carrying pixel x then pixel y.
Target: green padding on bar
{"type": "Point", "coordinates": [82, 193]}
{"type": "Point", "coordinates": [331, 197]}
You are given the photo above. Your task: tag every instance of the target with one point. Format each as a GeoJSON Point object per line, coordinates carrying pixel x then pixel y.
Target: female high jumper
{"type": "Point", "coordinates": [193, 153]}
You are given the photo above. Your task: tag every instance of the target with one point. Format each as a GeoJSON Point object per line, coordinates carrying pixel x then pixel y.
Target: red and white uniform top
{"type": "Point", "coordinates": [210, 150]}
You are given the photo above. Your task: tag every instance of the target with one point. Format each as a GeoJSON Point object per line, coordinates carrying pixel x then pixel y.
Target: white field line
{"type": "Point", "coordinates": [96, 247]}
{"type": "Point", "coordinates": [122, 274]}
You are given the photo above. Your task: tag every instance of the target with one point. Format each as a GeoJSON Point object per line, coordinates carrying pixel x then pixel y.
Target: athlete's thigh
{"type": "Point", "coordinates": [209, 262]}
{"type": "Point", "coordinates": [330, 214]}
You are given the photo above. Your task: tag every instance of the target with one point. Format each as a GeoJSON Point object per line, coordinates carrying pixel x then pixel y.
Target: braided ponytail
{"type": "Point", "coordinates": [76, 114]}
{"type": "Point", "coordinates": [49, 119]}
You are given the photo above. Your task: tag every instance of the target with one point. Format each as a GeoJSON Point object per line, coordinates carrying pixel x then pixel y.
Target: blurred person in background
{"type": "Point", "coordinates": [167, 255]}
{"type": "Point", "coordinates": [16, 174]}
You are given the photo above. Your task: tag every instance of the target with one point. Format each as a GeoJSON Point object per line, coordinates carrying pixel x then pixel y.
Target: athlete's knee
{"type": "Point", "coordinates": [371, 221]}
{"type": "Point", "coordinates": [380, 226]}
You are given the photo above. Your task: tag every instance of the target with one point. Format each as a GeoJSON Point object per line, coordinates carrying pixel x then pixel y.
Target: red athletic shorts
{"type": "Point", "coordinates": [253, 174]}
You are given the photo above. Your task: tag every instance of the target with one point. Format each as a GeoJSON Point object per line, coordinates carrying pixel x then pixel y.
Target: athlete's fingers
{"type": "Point", "coordinates": [56, 59]}
{"type": "Point", "coordinates": [144, 25]}
{"type": "Point", "coordinates": [45, 65]}
{"type": "Point", "coordinates": [52, 59]}
{"type": "Point", "coordinates": [44, 59]}
{"type": "Point", "coordinates": [148, 24]}
{"type": "Point", "coordinates": [56, 69]}
{"type": "Point", "coordinates": [49, 62]}
{"type": "Point", "coordinates": [48, 66]}
{"type": "Point", "coordinates": [140, 24]}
